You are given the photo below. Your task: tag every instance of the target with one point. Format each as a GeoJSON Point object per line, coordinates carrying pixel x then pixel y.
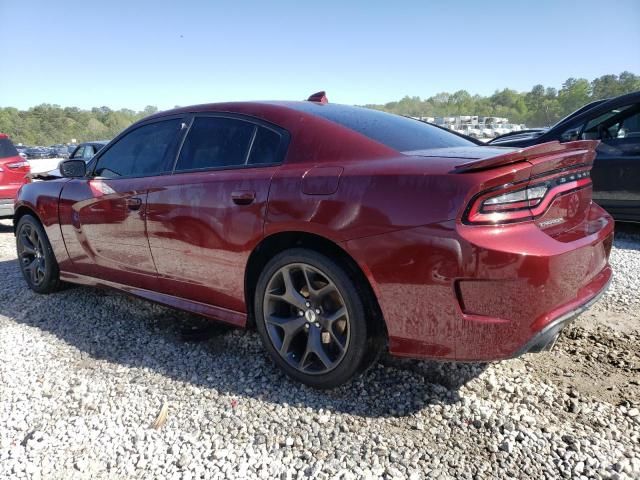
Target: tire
{"type": "Point", "coordinates": [316, 330]}
{"type": "Point", "coordinates": [35, 255]}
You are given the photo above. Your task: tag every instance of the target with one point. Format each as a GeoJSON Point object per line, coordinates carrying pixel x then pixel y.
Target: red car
{"type": "Point", "coordinates": [335, 231]}
{"type": "Point", "coordinates": [13, 171]}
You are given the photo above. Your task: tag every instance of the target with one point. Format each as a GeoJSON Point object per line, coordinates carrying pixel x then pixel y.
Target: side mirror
{"type": "Point", "coordinates": [73, 168]}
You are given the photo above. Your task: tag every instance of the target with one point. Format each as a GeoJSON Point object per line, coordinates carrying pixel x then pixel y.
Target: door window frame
{"type": "Point", "coordinates": [169, 155]}
{"type": "Point", "coordinates": [79, 149]}
{"type": "Point", "coordinates": [285, 138]}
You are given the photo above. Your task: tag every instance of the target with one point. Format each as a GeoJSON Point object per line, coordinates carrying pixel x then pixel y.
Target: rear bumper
{"type": "Point", "coordinates": [469, 293]}
{"type": "Point", "coordinates": [6, 207]}
{"type": "Point", "coordinates": [546, 338]}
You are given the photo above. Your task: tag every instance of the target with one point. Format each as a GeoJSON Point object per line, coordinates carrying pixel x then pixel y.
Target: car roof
{"type": "Point", "coordinates": [258, 108]}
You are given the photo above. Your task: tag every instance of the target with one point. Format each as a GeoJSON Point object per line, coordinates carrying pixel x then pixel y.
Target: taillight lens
{"type": "Point", "coordinates": [18, 165]}
{"type": "Point", "coordinates": [512, 203]}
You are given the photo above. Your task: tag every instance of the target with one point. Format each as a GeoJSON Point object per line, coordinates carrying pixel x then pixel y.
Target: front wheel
{"type": "Point", "coordinates": [311, 319]}
{"type": "Point", "coordinates": [37, 261]}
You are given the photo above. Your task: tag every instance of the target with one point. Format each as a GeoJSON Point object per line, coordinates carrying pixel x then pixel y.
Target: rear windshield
{"type": "Point", "coordinates": [400, 133]}
{"type": "Point", "coordinates": [7, 149]}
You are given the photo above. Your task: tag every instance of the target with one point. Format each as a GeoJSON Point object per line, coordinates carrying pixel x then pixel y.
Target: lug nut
{"type": "Point", "coordinates": [306, 326]}
{"type": "Point", "coordinates": [318, 324]}
{"type": "Point", "coordinates": [307, 304]}
{"type": "Point", "coordinates": [300, 313]}
{"type": "Point", "coordinates": [318, 311]}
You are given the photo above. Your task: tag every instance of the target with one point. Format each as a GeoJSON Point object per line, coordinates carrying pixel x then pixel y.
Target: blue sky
{"type": "Point", "coordinates": [180, 52]}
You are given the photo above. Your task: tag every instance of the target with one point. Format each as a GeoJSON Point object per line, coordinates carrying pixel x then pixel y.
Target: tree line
{"type": "Point", "coordinates": [542, 106]}
{"type": "Point", "coordinates": [48, 124]}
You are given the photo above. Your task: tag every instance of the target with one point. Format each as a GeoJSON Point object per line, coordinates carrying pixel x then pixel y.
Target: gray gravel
{"type": "Point", "coordinates": [84, 374]}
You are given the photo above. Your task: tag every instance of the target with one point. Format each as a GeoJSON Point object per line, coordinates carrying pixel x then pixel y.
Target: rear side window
{"type": "Point", "coordinates": [7, 149]}
{"type": "Point", "coordinates": [219, 142]}
{"type": "Point", "coordinates": [141, 152]}
{"type": "Point", "coordinates": [215, 142]}
{"type": "Point", "coordinates": [400, 133]}
{"type": "Point", "coordinates": [266, 147]}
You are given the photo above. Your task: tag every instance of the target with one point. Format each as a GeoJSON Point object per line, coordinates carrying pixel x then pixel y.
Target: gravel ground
{"type": "Point", "coordinates": [85, 373]}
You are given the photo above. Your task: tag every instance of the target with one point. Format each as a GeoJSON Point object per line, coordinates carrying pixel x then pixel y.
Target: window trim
{"type": "Point", "coordinates": [73, 156]}
{"type": "Point", "coordinates": [176, 141]}
{"type": "Point", "coordinates": [283, 147]}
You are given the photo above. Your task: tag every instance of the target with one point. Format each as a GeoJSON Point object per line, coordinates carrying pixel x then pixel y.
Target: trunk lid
{"type": "Point", "coordinates": [544, 157]}
{"type": "Point", "coordinates": [554, 190]}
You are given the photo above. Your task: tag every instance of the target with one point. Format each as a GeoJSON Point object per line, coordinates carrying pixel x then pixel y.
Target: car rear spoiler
{"type": "Point", "coordinates": [579, 149]}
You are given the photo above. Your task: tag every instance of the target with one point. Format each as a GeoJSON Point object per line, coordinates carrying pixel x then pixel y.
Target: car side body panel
{"type": "Point", "coordinates": [202, 227]}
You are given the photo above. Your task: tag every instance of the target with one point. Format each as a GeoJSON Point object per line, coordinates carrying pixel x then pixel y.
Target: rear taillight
{"type": "Point", "coordinates": [18, 165]}
{"type": "Point", "coordinates": [512, 203]}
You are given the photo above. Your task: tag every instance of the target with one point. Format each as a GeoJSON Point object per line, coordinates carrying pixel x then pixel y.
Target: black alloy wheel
{"type": "Point", "coordinates": [311, 319]}
{"type": "Point", "coordinates": [35, 255]}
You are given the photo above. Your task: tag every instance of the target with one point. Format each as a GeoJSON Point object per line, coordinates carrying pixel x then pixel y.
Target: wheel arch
{"type": "Point", "coordinates": [281, 241]}
{"type": "Point", "coordinates": [20, 212]}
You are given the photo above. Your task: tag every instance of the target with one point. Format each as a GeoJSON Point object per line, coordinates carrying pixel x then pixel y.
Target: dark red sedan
{"type": "Point", "coordinates": [336, 231]}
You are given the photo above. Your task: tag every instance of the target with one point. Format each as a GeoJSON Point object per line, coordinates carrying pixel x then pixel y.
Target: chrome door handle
{"type": "Point", "coordinates": [134, 203]}
{"type": "Point", "coordinates": [243, 197]}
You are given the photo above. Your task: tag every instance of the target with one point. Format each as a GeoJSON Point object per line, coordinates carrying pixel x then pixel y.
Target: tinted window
{"type": "Point", "coordinates": [7, 149]}
{"type": "Point", "coordinates": [141, 152]}
{"type": "Point", "coordinates": [400, 133]}
{"type": "Point", "coordinates": [78, 153]}
{"type": "Point", "coordinates": [88, 152]}
{"type": "Point", "coordinates": [265, 147]}
{"type": "Point", "coordinates": [215, 142]}
{"type": "Point", "coordinates": [630, 127]}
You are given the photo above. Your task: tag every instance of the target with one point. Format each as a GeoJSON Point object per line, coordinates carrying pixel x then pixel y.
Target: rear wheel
{"type": "Point", "coordinates": [37, 261]}
{"type": "Point", "coordinates": [311, 319]}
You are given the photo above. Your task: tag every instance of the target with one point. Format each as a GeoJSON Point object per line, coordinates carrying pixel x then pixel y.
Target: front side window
{"type": "Point", "coordinates": [215, 142]}
{"type": "Point", "coordinates": [78, 153]}
{"type": "Point", "coordinates": [88, 153]}
{"type": "Point", "coordinates": [608, 125]}
{"type": "Point", "coordinates": [141, 152]}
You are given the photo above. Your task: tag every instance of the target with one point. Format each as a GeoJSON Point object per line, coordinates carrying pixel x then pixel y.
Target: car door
{"type": "Point", "coordinates": [102, 216]}
{"type": "Point", "coordinates": [209, 215]}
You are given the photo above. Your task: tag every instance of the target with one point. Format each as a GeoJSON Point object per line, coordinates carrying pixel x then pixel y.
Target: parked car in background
{"type": "Point", "coordinates": [38, 153]}
{"type": "Point", "coordinates": [616, 170]}
{"type": "Point", "coordinates": [22, 151]}
{"type": "Point", "coordinates": [60, 151]}
{"type": "Point", "coordinates": [84, 151]}
{"type": "Point", "coordinates": [335, 230]}
{"type": "Point", "coordinates": [13, 171]}
{"type": "Point", "coordinates": [87, 150]}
